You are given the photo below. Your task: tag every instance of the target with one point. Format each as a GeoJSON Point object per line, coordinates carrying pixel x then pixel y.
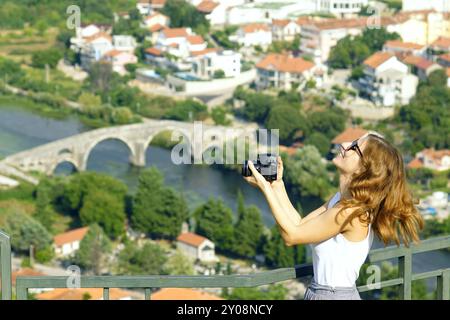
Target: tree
{"type": "Point", "coordinates": [278, 255]}
{"type": "Point", "coordinates": [157, 210]}
{"type": "Point", "coordinates": [44, 212]}
{"type": "Point", "coordinates": [248, 229]}
{"type": "Point", "coordinates": [25, 231]}
{"type": "Point", "coordinates": [184, 14]}
{"type": "Point", "coordinates": [48, 57]}
{"type": "Point", "coordinates": [106, 210]}
{"type": "Point", "coordinates": [306, 174]}
{"type": "Point", "coordinates": [179, 264]}
{"type": "Point", "coordinates": [94, 250]}
{"type": "Point", "coordinates": [148, 260]}
{"type": "Point", "coordinates": [272, 292]}
{"type": "Point", "coordinates": [215, 221]}
{"type": "Point", "coordinates": [186, 110]}
{"type": "Point", "coordinates": [320, 141]}
{"type": "Point", "coordinates": [288, 120]}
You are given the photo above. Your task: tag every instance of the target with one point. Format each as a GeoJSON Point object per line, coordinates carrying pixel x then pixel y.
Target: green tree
{"type": "Point", "coordinates": [157, 210]}
{"type": "Point", "coordinates": [288, 120]}
{"type": "Point", "coordinates": [106, 210]}
{"type": "Point", "coordinates": [185, 110]}
{"type": "Point", "coordinates": [306, 174]}
{"type": "Point", "coordinates": [94, 249]}
{"type": "Point", "coordinates": [25, 231]}
{"type": "Point", "coordinates": [184, 14]}
{"type": "Point", "coordinates": [179, 264]}
{"type": "Point", "coordinates": [271, 292]}
{"type": "Point", "coordinates": [248, 229]}
{"type": "Point", "coordinates": [278, 255]}
{"type": "Point", "coordinates": [48, 57]}
{"type": "Point", "coordinates": [214, 220]}
{"type": "Point", "coordinates": [148, 260]}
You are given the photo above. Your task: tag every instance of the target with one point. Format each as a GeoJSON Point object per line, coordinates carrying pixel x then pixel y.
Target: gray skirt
{"type": "Point", "coordinates": [317, 291]}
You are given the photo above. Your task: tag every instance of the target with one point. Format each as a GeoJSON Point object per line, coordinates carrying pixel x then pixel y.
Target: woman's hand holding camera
{"type": "Point", "coordinates": [257, 180]}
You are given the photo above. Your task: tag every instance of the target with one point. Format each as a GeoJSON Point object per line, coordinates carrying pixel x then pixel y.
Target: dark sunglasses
{"type": "Point", "coordinates": [354, 146]}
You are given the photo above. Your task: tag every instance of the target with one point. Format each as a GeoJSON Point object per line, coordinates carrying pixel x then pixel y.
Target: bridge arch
{"type": "Point", "coordinates": [91, 146]}
{"type": "Point", "coordinates": [55, 165]}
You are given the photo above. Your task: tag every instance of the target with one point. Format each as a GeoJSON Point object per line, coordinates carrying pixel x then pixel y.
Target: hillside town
{"type": "Point", "coordinates": [362, 62]}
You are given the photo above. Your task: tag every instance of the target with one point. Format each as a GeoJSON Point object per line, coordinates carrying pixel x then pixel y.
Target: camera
{"type": "Point", "coordinates": [266, 164]}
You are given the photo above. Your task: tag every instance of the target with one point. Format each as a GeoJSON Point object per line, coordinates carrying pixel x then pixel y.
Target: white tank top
{"type": "Point", "coordinates": [337, 261]}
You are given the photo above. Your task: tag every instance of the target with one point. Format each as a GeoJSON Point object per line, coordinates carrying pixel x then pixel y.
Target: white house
{"type": "Point", "coordinates": [155, 19]}
{"type": "Point", "coordinates": [405, 48]}
{"type": "Point", "coordinates": [283, 71]}
{"type": "Point", "coordinates": [87, 31]}
{"type": "Point", "coordinates": [341, 7]}
{"type": "Point", "coordinates": [206, 65]}
{"type": "Point", "coordinates": [284, 29]}
{"type": "Point", "coordinates": [65, 244]}
{"type": "Point", "coordinates": [253, 34]}
{"type": "Point", "coordinates": [94, 48]}
{"type": "Point", "coordinates": [438, 5]}
{"type": "Point", "coordinates": [432, 159]}
{"type": "Point", "coordinates": [317, 38]}
{"type": "Point", "coordinates": [214, 11]}
{"type": "Point", "coordinates": [386, 80]}
{"type": "Point", "coordinates": [124, 43]}
{"type": "Point", "coordinates": [420, 66]}
{"type": "Point", "coordinates": [146, 7]}
{"type": "Point", "coordinates": [119, 59]}
{"type": "Point", "coordinates": [196, 246]}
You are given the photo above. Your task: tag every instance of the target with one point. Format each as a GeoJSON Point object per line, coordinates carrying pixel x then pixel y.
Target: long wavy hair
{"type": "Point", "coordinates": [380, 194]}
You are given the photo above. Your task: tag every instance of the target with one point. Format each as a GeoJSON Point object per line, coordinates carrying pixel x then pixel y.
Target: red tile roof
{"type": "Point", "coordinates": [207, 6]}
{"type": "Point", "coordinates": [403, 45]}
{"type": "Point", "coordinates": [183, 294]}
{"type": "Point", "coordinates": [154, 51]}
{"type": "Point", "coordinates": [156, 27]}
{"type": "Point", "coordinates": [415, 164]}
{"type": "Point", "coordinates": [203, 52]}
{"type": "Point", "coordinates": [377, 59]}
{"type": "Point", "coordinates": [70, 236]}
{"type": "Point", "coordinates": [445, 57]}
{"type": "Point", "coordinates": [79, 294]}
{"type": "Point", "coordinates": [442, 43]}
{"type": "Point", "coordinates": [191, 239]}
{"type": "Point", "coordinates": [175, 32]}
{"type": "Point", "coordinates": [98, 35]}
{"type": "Point", "coordinates": [349, 135]}
{"type": "Point", "coordinates": [284, 63]}
{"type": "Point", "coordinates": [255, 27]}
{"type": "Point", "coordinates": [195, 39]}
{"type": "Point", "coordinates": [280, 22]}
{"type": "Point", "coordinates": [447, 71]}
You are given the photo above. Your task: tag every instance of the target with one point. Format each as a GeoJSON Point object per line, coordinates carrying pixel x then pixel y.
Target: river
{"type": "Point", "coordinates": [21, 129]}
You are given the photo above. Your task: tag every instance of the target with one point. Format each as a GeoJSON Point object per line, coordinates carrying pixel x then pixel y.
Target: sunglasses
{"type": "Point", "coordinates": [354, 146]}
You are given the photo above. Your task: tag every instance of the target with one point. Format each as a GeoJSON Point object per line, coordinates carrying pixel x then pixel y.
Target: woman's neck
{"type": "Point", "coordinates": [343, 186]}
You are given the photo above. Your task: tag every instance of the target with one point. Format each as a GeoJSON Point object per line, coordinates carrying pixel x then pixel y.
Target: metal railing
{"type": "Point", "coordinates": [402, 253]}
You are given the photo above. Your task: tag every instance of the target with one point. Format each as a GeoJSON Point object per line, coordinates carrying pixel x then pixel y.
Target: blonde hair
{"type": "Point", "coordinates": [380, 194]}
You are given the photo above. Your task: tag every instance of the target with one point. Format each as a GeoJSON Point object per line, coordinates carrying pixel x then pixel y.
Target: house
{"type": "Point", "coordinates": [254, 34]}
{"type": "Point", "coordinates": [119, 59]}
{"type": "Point", "coordinates": [284, 29]}
{"type": "Point", "coordinates": [404, 48]}
{"type": "Point", "coordinates": [147, 7]}
{"type": "Point", "coordinates": [94, 48]}
{"type": "Point", "coordinates": [183, 294]}
{"type": "Point", "coordinates": [124, 43]}
{"type": "Point", "coordinates": [440, 46]}
{"type": "Point", "coordinates": [348, 135]}
{"type": "Point", "coordinates": [87, 294]}
{"type": "Point", "coordinates": [215, 11]}
{"type": "Point", "coordinates": [432, 159]}
{"type": "Point", "coordinates": [386, 80]}
{"type": "Point", "coordinates": [438, 5]}
{"type": "Point", "coordinates": [156, 19]}
{"type": "Point", "coordinates": [342, 8]}
{"type": "Point", "coordinates": [420, 66]}
{"type": "Point", "coordinates": [283, 71]}
{"type": "Point", "coordinates": [444, 60]}
{"type": "Point", "coordinates": [204, 66]}
{"type": "Point", "coordinates": [87, 31]}
{"type": "Point", "coordinates": [65, 244]}
{"type": "Point", "coordinates": [196, 246]}
{"type": "Point", "coordinates": [318, 37]}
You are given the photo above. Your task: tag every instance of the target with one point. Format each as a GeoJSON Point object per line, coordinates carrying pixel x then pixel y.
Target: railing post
{"type": "Point", "coordinates": [5, 253]}
{"type": "Point", "coordinates": [105, 293]}
{"type": "Point", "coordinates": [443, 285]}
{"type": "Point", "coordinates": [405, 272]}
{"type": "Point", "coordinates": [21, 290]}
{"type": "Point", "coordinates": [148, 293]}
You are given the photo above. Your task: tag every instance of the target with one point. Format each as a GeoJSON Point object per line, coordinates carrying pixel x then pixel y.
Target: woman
{"type": "Point", "coordinates": [373, 198]}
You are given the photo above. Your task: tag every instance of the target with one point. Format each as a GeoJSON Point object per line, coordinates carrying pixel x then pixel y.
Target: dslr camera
{"type": "Point", "coordinates": [266, 164]}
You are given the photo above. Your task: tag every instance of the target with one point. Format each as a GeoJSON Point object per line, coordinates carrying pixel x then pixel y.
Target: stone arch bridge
{"type": "Point", "coordinates": [136, 137]}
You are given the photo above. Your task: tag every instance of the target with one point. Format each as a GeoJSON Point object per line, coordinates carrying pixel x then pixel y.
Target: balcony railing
{"type": "Point", "coordinates": [402, 253]}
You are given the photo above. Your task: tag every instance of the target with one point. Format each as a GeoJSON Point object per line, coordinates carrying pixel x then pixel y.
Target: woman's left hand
{"type": "Point", "coordinates": [256, 179]}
